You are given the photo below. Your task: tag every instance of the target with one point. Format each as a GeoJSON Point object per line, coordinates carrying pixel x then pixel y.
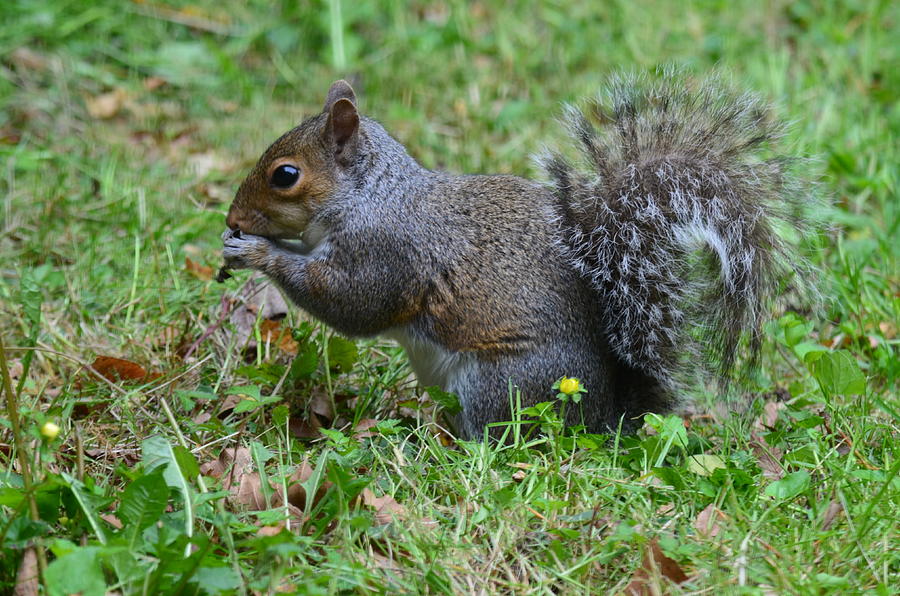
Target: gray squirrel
{"type": "Point", "coordinates": [648, 261]}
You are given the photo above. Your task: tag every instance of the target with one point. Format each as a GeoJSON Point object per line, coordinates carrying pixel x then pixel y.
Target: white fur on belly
{"type": "Point", "coordinates": [432, 363]}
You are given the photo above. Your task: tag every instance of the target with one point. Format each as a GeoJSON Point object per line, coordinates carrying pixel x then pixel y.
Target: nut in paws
{"type": "Point", "coordinates": [245, 251]}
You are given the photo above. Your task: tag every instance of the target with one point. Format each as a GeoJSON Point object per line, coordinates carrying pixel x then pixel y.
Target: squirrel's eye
{"type": "Point", "coordinates": [285, 176]}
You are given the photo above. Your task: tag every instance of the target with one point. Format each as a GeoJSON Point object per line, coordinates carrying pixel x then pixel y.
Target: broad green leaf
{"type": "Point", "coordinates": [87, 502]}
{"type": "Point", "coordinates": [789, 487]}
{"type": "Point", "coordinates": [142, 503]}
{"type": "Point", "coordinates": [305, 363]}
{"type": "Point", "coordinates": [704, 464]}
{"type": "Point", "coordinates": [839, 373]}
{"type": "Point", "coordinates": [11, 497]}
{"type": "Point", "coordinates": [342, 353]}
{"type": "Point", "coordinates": [251, 391]}
{"type": "Point", "coordinates": [186, 462]}
{"type": "Point", "coordinates": [215, 580]}
{"type": "Point", "coordinates": [448, 401]}
{"type": "Point", "coordinates": [252, 403]}
{"type": "Point", "coordinates": [157, 452]}
{"type": "Point", "coordinates": [280, 415]}
{"type": "Point", "coordinates": [77, 572]}
{"type": "Point", "coordinates": [809, 351]}
{"type": "Point", "coordinates": [796, 332]}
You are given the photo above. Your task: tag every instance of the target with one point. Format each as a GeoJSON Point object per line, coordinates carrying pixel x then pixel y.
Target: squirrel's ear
{"type": "Point", "coordinates": [343, 122]}
{"type": "Point", "coordinates": [339, 90]}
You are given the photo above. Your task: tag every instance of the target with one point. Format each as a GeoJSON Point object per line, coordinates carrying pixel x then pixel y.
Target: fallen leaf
{"type": "Point", "coordinates": [27, 59]}
{"type": "Point", "coordinates": [707, 522]}
{"type": "Point", "coordinates": [656, 565]}
{"type": "Point", "coordinates": [248, 491]}
{"type": "Point", "coordinates": [386, 508]}
{"type": "Point", "coordinates": [204, 164]}
{"type": "Point", "coordinates": [116, 369]}
{"type": "Point", "coordinates": [216, 193]}
{"type": "Point", "coordinates": [27, 578]}
{"type": "Point", "coordinates": [274, 332]}
{"type": "Point", "coordinates": [364, 428]}
{"type": "Point", "coordinates": [769, 417]}
{"type": "Point", "coordinates": [320, 404]}
{"type": "Point", "coordinates": [153, 83]}
{"type": "Point", "coordinates": [296, 494]}
{"type": "Point", "coordinates": [199, 271]}
{"type": "Point", "coordinates": [704, 464]}
{"type": "Point", "coordinates": [259, 299]}
{"type": "Point", "coordinates": [834, 508]}
{"type": "Point", "coordinates": [273, 530]}
{"type": "Point", "coordinates": [235, 467]}
{"type": "Point", "coordinates": [519, 476]}
{"type": "Point", "coordinates": [228, 404]}
{"type": "Point", "coordinates": [769, 458]}
{"type": "Point", "coordinates": [112, 520]}
{"type": "Point", "coordinates": [106, 105]}
{"type": "Point", "coordinates": [305, 428]}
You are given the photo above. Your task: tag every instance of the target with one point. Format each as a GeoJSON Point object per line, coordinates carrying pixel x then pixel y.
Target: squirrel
{"type": "Point", "coordinates": [644, 262]}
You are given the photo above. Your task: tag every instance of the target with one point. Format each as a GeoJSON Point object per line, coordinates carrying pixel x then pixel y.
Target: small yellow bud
{"type": "Point", "coordinates": [569, 386]}
{"type": "Point", "coordinates": [49, 430]}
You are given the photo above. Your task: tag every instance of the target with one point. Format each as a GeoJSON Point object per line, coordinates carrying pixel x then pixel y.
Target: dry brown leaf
{"type": "Point", "coordinates": [154, 83]}
{"type": "Point", "coordinates": [116, 369]}
{"type": "Point", "coordinates": [235, 467]}
{"type": "Point", "coordinates": [656, 565]}
{"type": "Point", "coordinates": [27, 59]}
{"type": "Point", "coordinates": [106, 105]}
{"type": "Point", "coordinates": [112, 520]}
{"type": "Point", "coordinates": [769, 458]}
{"type": "Point", "coordinates": [519, 475]}
{"type": "Point", "coordinates": [386, 508]}
{"type": "Point", "coordinates": [320, 404]}
{"type": "Point", "coordinates": [707, 522]}
{"type": "Point", "coordinates": [273, 530]}
{"type": "Point", "coordinates": [769, 416]}
{"type": "Point", "coordinates": [296, 494]}
{"type": "Point", "coordinates": [889, 330]}
{"type": "Point", "coordinates": [197, 270]}
{"type": "Point", "coordinates": [248, 491]}
{"type": "Point", "coordinates": [27, 578]}
{"type": "Point", "coordinates": [216, 193]}
{"type": "Point", "coordinates": [305, 429]}
{"type": "Point", "coordinates": [204, 164]}
{"type": "Point", "coordinates": [364, 428]}
{"type": "Point", "coordinates": [259, 299]}
{"type": "Point", "coordinates": [230, 401]}
{"type": "Point", "coordinates": [274, 332]}
{"type": "Point", "coordinates": [834, 508]}
{"type": "Point", "coordinates": [665, 509]}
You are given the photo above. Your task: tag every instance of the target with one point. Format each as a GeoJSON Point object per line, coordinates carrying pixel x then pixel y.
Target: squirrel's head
{"type": "Point", "coordinates": [300, 171]}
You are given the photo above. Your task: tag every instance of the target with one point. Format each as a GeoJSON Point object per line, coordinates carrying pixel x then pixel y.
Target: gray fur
{"type": "Point", "coordinates": [492, 279]}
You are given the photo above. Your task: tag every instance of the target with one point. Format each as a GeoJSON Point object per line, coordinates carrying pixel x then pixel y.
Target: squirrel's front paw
{"type": "Point", "coordinates": [246, 251]}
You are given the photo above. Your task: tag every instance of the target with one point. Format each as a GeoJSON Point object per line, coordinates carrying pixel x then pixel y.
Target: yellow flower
{"type": "Point", "coordinates": [569, 386]}
{"type": "Point", "coordinates": [49, 430]}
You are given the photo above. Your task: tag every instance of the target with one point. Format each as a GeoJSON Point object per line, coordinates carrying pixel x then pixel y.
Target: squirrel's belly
{"type": "Point", "coordinates": [433, 363]}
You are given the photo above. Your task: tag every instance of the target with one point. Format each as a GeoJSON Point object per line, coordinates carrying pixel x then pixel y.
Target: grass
{"type": "Point", "coordinates": [126, 126]}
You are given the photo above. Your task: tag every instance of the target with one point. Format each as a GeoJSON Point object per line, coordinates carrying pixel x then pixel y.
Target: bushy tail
{"type": "Point", "coordinates": [679, 222]}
